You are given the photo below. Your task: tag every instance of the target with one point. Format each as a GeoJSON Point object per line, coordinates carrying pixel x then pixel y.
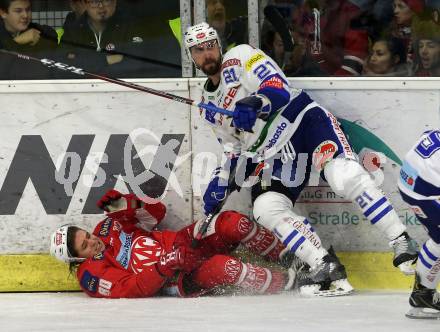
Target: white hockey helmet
{"type": "Point", "coordinates": [200, 33]}
{"type": "Point", "coordinates": [58, 245]}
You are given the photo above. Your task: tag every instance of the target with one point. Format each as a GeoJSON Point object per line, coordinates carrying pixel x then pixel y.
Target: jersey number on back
{"type": "Point", "coordinates": [429, 145]}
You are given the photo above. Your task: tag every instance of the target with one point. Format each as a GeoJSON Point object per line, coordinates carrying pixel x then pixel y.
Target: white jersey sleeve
{"type": "Point", "coordinates": [245, 71]}
{"type": "Point", "coordinates": [420, 172]}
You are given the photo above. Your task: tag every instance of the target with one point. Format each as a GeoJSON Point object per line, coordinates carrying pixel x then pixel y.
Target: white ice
{"type": "Point", "coordinates": [364, 311]}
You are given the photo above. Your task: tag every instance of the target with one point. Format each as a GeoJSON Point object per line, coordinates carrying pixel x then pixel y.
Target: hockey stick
{"type": "Point", "coordinates": [204, 227]}
{"type": "Point", "coordinates": [81, 72]}
{"type": "Point", "coordinates": [125, 54]}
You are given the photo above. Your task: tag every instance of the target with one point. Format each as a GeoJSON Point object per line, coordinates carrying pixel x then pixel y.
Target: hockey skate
{"type": "Point", "coordinates": [327, 279]}
{"type": "Point", "coordinates": [424, 302]}
{"type": "Point", "coordinates": [405, 253]}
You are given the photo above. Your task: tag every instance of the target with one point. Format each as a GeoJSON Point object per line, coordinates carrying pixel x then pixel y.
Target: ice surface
{"type": "Point", "coordinates": [364, 311]}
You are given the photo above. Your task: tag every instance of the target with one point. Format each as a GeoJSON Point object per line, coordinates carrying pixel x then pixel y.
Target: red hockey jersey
{"type": "Point", "coordinates": [126, 268]}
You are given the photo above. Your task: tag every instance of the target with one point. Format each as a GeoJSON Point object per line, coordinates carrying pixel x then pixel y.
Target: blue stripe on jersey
{"type": "Point", "coordinates": [381, 214]}
{"type": "Point", "coordinates": [425, 188]}
{"type": "Point", "coordinates": [290, 237]}
{"type": "Point", "coordinates": [424, 262]}
{"type": "Point", "coordinates": [428, 253]}
{"type": "Point", "coordinates": [411, 179]}
{"type": "Point", "coordinates": [297, 244]}
{"type": "Point", "coordinates": [296, 106]}
{"type": "Point", "coordinates": [375, 206]}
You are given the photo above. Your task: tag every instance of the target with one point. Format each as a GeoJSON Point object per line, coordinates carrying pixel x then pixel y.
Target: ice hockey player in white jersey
{"type": "Point", "coordinates": [285, 133]}
{"type": "Point", "coordinates": [419, 185]}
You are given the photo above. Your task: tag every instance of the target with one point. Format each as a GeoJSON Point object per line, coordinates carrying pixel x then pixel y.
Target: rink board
{"type": "Point", "coordinates": [22, 273]}
{"type": "Point", "coordinates": [41, 121]}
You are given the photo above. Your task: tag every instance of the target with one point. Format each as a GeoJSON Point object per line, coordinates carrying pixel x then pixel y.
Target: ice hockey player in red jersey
{"type": "Point", "coordinates": [126, 257]}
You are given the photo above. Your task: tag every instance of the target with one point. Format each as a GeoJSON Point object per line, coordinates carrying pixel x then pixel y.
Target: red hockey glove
{"type": "Point", "coordinates": [149, 213]}
{"type": "Point", "coordinates": [108, 198]}
{"type": "Point", "coordinates": [179, 259]}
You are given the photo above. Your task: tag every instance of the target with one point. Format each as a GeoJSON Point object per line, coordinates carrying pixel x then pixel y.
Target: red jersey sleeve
{"type": "Point", "coordinates": [98, 278]}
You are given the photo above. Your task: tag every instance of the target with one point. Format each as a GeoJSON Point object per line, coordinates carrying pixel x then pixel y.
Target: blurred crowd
{"type": "Point", "coordinates": [122, 38]}
{"type": "Point", "coordinates": [357, 37]}
{"type": "Point", "coordinates": [135, 39]}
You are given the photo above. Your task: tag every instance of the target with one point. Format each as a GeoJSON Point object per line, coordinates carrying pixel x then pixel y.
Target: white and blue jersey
{"type": "Point", "coordinates": [420, 172]}
{"type": "Point", "coordinates": [297, 123]}
{"type": "Point", "coordinates": [419, 181]}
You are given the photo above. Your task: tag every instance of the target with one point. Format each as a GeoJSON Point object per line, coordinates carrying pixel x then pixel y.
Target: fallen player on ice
{"type": "Point", "coordinates": [126, 257]}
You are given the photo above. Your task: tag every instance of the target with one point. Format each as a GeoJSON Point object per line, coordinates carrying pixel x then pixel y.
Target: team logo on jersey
{"type": "Point", "coordinates": [408, 176]}
{"type": "Point", "coordinates": [229, 98]}
{"type": "Point", "coordinates": [210, 115]}
{"type": "Point", "coordinates": [105, 227]}
{"type": "Point", "coordinates": [230, 63]}
{"type": "Point", "coordinates": [408, 179]}
{"type": "Point", "coordinates": [233, 268]}
{"type": "Point", "coordinates": [323, 154]}
{"type": "Point", "coordinates": [110, 47]}
{"type": "Point", "coordinates": [124, 254]}
{"type": "Point", "coordinates": [137, 40]}
{"type": "Point", "coordinates": [89, 282]}
{"type": "Point", "coordinates": [276, 135]}
{"type": "Point", "coordinates": [104, 287]}
{"type": "Point", "coordinates": [244, 226]}
{"type": "Point", "coordinates": [144, 252]}
{"type": "Point", "coordinates": [273, 82]}
{"type": "Point", "coordinates": [253, 60]}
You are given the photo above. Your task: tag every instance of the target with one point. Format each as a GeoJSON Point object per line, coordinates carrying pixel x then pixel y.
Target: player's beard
{"type": "Point", "coordinates": [211, 67]}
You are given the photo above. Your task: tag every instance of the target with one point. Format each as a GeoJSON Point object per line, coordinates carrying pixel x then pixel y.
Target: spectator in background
{"type": "Point", "coordinates": [324, 28]}
{"type": "Point", "coordinates": [294, 63]}
{"type": "Point", "coordinates": [380, 10]}
{"type": "Point", "coordinates": [274, 47]}
{"type": "Point", "coordinates": [426, 36]}
{"type": "Point", "coordinates": [233, 32]}
{"type": "Point", "coordinates": [92, 32]}
{"type": "Point", "coordinates": [376, 16]}
{"type": "Point", "coordinates": [387, 58]}
{"type": "Point", "coordinates": [19, 34]}
{"type": "Point", "coordinates": [78, 8]}
{"type": "Point", "coordinates": [104, 40]}
{"type": "Point", "coordinates": [432, 11]}
{"type": "Point", "coordinates": [404, 12]}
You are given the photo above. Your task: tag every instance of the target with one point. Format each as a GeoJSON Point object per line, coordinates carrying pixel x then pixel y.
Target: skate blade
{"type": "Point", "coordinates": [423, 313]}
{"type": "Point", "coordinates": [407, 268]}
{"type": "Point", "coordinates": [291, 279]}
{"type": "Point", "coordinates": [337, 288]}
